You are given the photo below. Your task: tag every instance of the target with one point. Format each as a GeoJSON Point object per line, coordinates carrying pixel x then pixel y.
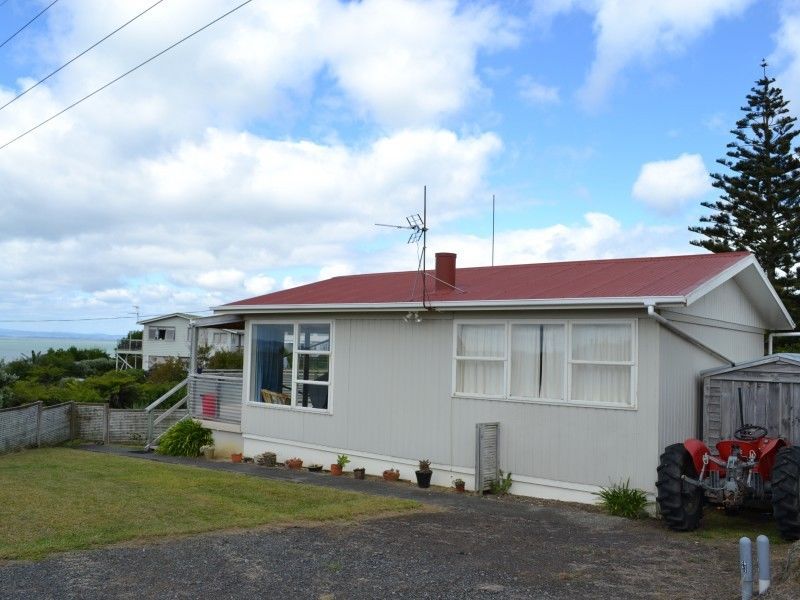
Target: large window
{"type": "Point", "coordinates": [571, 361]}
{"type": "Point", "coordinates": [291, 364]}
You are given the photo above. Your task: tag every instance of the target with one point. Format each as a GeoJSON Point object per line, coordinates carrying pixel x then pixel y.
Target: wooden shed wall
{"type": "Point", "coordinates": [770, 398]}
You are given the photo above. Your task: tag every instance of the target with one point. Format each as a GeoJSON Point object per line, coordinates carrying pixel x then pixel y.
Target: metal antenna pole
{"type": "Point", "coordinates": [492, 229]}
{"type": "Point", "coordinates": [424, 242]}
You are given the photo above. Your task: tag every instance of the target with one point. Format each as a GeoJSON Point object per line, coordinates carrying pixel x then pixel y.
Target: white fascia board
{"type": "Point", "coordinates": [560, 303]}
{"type": "Point", "coordinates": [186, 316]}
{"type": "Point", "coordinates": [733, 271]}
{"type": "Point", "coordinates": [217, 320]}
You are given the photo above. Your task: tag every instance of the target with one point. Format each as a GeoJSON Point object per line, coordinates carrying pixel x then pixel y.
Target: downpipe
{"type": "Point", "coordinates": [651, 312]}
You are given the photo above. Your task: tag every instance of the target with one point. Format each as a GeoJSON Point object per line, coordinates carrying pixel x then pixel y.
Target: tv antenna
{"type": "Point", "coordinates": [419, 230]}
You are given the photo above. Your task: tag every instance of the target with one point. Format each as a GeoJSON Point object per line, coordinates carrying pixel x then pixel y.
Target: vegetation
{"type": "Point", "coordinates": [46, 507]}
{"type": "Point", "coordinates": [424, 465]}
{"type": "Point", "coordinates": [83, 375]}
{"type": "Point", "coordinates": [226, 359]}
{"type": "Point", "coordinates": [759, 206]}
{"type": "Point", "coordinates": [342, 460]}
{"type": "Point", "coordinates": [502, 484]}
{"type": "Point", "coordinates": [185, 438]}
{"type": "Point", "coordinates": [621, 500]}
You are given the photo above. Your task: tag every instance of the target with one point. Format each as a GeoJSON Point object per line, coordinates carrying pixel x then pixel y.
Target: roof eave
{"type": "Point", "coordinates": [536, 304]}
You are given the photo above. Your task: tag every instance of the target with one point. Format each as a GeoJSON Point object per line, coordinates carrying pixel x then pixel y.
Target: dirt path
{"type": "Point", "coordinates": [474, 548]}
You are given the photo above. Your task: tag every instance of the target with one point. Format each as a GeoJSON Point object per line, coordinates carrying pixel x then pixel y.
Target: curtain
{"type": "Point", "coordinates": [602, 382]}
{"type": "Point", "coordinates": [476, 376]}
{"type": "Point", "coordinates": [268, 359]}
{"type": "Point", "coordinates": [537, 361]}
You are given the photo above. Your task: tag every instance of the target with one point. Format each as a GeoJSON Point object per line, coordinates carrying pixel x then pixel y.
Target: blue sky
{"type": "Point", "coordinates": [259, 154]}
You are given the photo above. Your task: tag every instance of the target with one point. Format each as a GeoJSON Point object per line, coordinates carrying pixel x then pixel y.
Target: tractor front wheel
{"type": "Point", "coordinates": [680, 503]}
{"type": "Point", "coordinates": [786, 492]}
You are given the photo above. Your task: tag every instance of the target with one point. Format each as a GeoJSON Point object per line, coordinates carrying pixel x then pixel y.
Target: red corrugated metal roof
{"type": "Point", "coordinates": [590, 279]}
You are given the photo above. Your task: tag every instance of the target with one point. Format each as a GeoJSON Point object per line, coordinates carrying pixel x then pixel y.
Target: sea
{"type": "Point", "coordinates": [12, 348]}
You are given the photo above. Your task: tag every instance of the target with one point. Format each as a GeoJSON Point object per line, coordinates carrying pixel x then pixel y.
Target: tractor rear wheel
{"type": "Point", "coordinates": [786, 492]}
{"type": "Point", "coordinates": [680, 503]}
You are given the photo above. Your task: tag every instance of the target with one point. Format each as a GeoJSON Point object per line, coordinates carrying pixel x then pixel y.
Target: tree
{"type": "Point", "coordinates": [759, 206]}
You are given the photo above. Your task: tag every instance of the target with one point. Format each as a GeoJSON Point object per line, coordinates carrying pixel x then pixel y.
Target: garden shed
{"type": "Point", "coordinates": [770, 391]}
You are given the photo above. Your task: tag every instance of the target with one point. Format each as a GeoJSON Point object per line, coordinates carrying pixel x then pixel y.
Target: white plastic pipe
{"type": "Point", "coordinates": [746, 566]}
{"type": "Point", "coordinates": [774, 335]}
{"type": "Point", "coordinates": [651, 312]}
{"type": "Point", "coordinates": [762, 545]}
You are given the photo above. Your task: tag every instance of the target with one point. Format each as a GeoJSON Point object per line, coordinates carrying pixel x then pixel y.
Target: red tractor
{"type": "Point", "coordinates": [750, 469]}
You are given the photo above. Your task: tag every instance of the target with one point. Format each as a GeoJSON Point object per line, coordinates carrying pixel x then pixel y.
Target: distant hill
{"type": "Point", "coordinates": [61, 335]}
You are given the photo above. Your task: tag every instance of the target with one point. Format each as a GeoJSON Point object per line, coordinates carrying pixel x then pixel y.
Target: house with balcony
{"type": "Point", "coordinates": [583, 371]}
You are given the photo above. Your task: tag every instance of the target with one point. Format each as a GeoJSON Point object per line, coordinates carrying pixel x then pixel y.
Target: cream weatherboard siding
{"type": "Point", "coordinates": [392, 403]}
{"type": "Point", "coordinates": [163, 348]}
{"type": "Point", "coordinates": [725, 320]}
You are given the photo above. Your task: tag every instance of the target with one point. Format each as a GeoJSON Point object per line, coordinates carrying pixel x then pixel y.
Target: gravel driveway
{"type": "Point", "coordinates": [465, 547]}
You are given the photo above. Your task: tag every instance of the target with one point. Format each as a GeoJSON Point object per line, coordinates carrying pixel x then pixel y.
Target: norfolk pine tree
{"type": "Point", "coordinates": [759, 206]}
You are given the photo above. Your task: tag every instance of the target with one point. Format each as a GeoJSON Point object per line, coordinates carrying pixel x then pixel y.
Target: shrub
{"type": "Point", "coordinates": [502, 484]}
{"type": "Point", "coordinates": [342, 460]}
{"type": "Point", "coordinates": [621, 500]}
{"type": "Point", "coordinates": [226, 359]}
{"type": "Point", "coordinates": [185, 438]}
{"type": "Point", "coordinates": [92, 366]}
{"type": "Point", "coordinates": [172, 370]}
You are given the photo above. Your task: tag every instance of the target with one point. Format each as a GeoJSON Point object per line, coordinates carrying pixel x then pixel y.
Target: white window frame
{"type": "Point", "coordinates": [456, 358]}
{"type": "Point", "coordinates": [568, 362]}
{"type": "Point", "coordinates": [166, 328]}
{"type": "Point", "coordinates": [249, 373]}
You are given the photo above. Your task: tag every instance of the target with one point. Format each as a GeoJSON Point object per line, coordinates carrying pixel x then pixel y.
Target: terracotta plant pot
{"type": "Point", "coordinates": [359, 473]}
{"type": "Point", "coordinates": [315, 468]}
{"type": "Point", "coordinates": [336, 469]}
{"type": "Point", "coordinates": [391, 475]}
{"type": "Point", "coordinates": [460, 487]}
{"type": "Point", "coordinates": [236, 457]}
{"type": "Point", "coordinates": [294, 463]}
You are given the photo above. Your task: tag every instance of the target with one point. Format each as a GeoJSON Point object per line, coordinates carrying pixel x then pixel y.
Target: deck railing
{"type": "Point", "coordinates": [216, 396]}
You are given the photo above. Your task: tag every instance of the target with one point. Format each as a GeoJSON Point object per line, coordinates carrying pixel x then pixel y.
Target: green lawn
{"type": "Point", "coordinates": [61, 499]}
{"type": "Point", "coordinates": [716, 525]}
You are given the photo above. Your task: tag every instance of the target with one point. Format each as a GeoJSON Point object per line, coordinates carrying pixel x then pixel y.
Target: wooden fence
{"type": "Point", "coordinates": [34, 425]}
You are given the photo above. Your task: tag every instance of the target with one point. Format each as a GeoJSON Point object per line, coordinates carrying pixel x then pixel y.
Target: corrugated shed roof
{"type": "Point", "coordinates": [666, 276]}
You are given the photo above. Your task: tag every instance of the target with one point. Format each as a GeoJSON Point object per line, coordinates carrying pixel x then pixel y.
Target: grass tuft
{"type": "Point", "coordinates": [621, 500]}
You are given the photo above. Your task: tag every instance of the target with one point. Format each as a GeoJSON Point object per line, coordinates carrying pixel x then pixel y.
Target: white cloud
{"type": "Point", "coordinates": [787, 51]}
{"type": "Point", "coordinates": [537, 93]}
{"type": "Point", "coordinates": [220, 279]}
{"type": "Point", "coordinates": [637, 32]}
{"type": "Point", "coordinates": [666, 185]}
{"type": "Point", "coordinates": [259, 284]}
{"type": "Point", "coordinates": [598, 236]}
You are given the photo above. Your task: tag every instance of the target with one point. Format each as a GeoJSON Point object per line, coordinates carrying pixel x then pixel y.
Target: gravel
{"type": "Point", "coordinates": [465, 547]}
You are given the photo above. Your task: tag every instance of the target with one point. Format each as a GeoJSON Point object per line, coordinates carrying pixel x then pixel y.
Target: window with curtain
{"type": "Point", "coordinates": [291, 364]}
{"type": "Point", "coordinates": [601, 363]}
{"type": "Point", "coordinates": [572, 361]}
{"type": "Point", "coordinates": [480, 359]}
{"type": "Point", "coordinates": [537, 361]}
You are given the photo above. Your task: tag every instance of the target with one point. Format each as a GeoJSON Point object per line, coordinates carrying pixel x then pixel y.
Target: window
{"type": "Point", "coordinates": [291, 364]}
{"type": "Point", "coordinates": [161, 333]}
{"type": "Point", "coordinates": [571, 361]}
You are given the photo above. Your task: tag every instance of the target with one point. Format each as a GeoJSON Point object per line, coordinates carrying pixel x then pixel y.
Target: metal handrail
{"type": "Point", "coordinates": [151, 422]}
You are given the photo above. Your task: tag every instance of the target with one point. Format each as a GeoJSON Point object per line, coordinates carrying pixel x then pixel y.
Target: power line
{"type": "Point", "coordinates": [125, 74]}
{"type": "Point", "coordinates": [41, 12]}
{"type": "Point", "coordinates": [76, 57]}
{"type": "Point", "coordinates": [3, 3]}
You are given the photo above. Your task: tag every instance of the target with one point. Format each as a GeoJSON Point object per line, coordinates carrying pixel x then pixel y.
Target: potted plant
{"type": "Point", "coordinates": [459, 485]}
{"type": "Point", "coordinates": [359, 472]}
{"type": "Point", "coordinates": [424, 473]}
{"type": "Point", "coordinates": [338, 466]}
{"type": "Point", "coordinates": [315, 468]}
{"type": "Point", "coordinates": [391, 474]}
{"type": "Point", "coordinates": [267, 459]}
{"type": "Point", "coordinates": [207, 451]}
{"type": "Point", "coordinates": [294, 463]}
{"type": "Point", "coordinates": [236, 457]}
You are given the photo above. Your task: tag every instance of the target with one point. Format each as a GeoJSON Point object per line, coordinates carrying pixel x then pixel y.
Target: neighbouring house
{"type": "Point", "coordinates": [589, 368]}
{"type": "Point", "coordinates": [167, 336]}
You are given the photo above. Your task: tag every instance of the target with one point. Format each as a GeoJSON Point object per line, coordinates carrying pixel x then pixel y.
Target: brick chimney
{"type": "Point", "coordinates": [445, 271]}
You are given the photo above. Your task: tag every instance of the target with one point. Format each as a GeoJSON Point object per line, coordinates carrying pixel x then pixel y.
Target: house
{"type": "Point", "coordinates": [589, 368]}
{"type": "Point", "coordinates": [167, 336]}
